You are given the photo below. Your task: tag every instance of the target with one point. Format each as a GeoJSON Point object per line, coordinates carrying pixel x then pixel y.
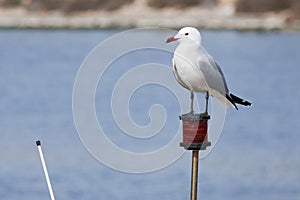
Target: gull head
{"type": "Point", "coordinates": [186, 35]}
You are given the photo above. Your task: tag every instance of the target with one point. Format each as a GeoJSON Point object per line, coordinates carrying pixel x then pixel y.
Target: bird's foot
{"type": "Point", "coordinates": [189, 113]}
{"type": "Point", "coordinates": [205, 115]}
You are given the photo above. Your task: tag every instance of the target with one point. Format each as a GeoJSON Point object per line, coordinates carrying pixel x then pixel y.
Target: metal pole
{"type": "Point", "coordinates": [194, 181]}
{"type": "Point", "coordinates": [38, 143]}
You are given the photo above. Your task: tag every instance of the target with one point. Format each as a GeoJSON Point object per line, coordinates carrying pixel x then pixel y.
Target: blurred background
{"type": "Point", "coordinates": [212, 14]}
{"type": "Point", "coordinates": [44, 42]}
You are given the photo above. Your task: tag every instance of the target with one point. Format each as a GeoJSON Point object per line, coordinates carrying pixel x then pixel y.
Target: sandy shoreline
{"type": "Point", "coordinates": [139, 16]}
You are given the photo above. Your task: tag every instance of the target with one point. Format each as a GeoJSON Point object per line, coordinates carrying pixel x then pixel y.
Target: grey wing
{"type": "Point", "coordinates": [212, 73]}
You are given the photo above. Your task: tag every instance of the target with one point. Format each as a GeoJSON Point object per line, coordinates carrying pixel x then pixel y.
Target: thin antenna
{"type": "Point", "coordinates": [38, 143]}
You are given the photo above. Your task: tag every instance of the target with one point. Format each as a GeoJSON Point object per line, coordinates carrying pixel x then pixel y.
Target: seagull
{"type": "Point", "coordinates": [197, 71]}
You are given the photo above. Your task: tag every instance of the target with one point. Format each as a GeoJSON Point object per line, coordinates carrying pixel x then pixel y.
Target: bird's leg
{"type": "Point", "coordinates": [206, 105]}
{"type": "Point", "coordinates": [192, 102]}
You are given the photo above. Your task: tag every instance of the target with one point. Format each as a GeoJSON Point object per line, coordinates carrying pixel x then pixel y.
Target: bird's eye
{"type": "Point", "coordinates": [186, 34]}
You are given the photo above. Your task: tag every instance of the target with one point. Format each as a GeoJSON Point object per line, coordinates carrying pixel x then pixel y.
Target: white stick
{"type": "Point", "coordinates": [38, 143]}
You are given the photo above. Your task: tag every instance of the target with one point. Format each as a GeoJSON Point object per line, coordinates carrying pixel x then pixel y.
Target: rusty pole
{"type": "Point", "coordinates": [194, 179]}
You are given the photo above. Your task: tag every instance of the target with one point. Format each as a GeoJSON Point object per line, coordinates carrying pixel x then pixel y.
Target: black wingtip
{"type": "Point", "coordinates": [231, 101]}
{"type": "Point", "coordinates": [238, 100]}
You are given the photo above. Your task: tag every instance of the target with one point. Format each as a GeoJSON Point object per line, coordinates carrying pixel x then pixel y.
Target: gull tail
{"type": "Point", "coordinates": [237, 100]}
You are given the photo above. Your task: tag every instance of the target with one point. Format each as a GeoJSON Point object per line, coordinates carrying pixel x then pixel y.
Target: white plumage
{"type": "Point", "coordinates": [197, 71]}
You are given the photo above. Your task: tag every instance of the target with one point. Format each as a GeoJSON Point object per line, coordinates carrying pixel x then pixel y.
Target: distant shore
{"type": "Point", "coordinates": [138, 16]}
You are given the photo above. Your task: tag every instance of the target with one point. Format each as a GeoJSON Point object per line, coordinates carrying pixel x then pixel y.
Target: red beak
{"type": "Point", "coordinates": [171, 39]}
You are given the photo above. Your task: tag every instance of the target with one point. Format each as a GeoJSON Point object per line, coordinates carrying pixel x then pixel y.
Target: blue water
{"type": "Point", "coordinates": [257, 156]}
